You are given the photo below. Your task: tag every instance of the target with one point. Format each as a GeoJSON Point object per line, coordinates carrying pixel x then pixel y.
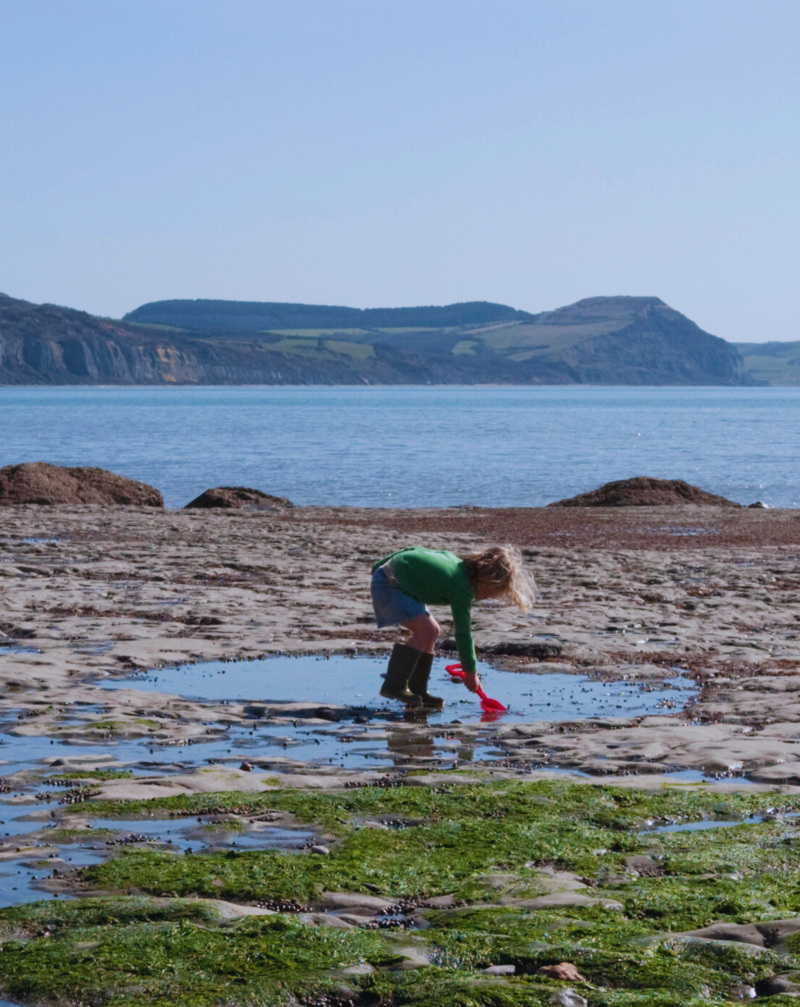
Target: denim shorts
{"type": "Point", "coordinates": [392, 606]}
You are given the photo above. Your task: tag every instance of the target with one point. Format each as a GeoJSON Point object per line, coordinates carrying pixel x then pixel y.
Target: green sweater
{"type": "Point", "coordinates": [438, 577]}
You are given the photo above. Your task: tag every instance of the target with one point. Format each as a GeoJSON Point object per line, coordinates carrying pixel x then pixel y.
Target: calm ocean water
{"type": "Point", "coordinates": [415, 446]}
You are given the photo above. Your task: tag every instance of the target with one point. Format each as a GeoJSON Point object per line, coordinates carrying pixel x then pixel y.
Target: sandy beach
{"type": "Point", "coordinates": [631, 593]}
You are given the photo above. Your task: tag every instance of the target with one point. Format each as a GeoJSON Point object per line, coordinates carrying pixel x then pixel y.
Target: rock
{"type": "Point", "coordinates": [568, 998]}
{"type": "Point", "coordinates": [357, 919]}
{"type": "Point", "coordinates": [350, 900]}
{"type": "Point", "coordinates": [500, 970]}
{"type": "Point", "coordinates": [234, 910]}
{"type": "Point", "coordinates": [318, 848]}
{"type": "Point", "coordinates": [644, 866]}
{"type": "Point", "coordinates": [767, 934]}
{"type": "Point", "coordinates": [787, 772]}
{"type": "Point", "coordinates": [42, 483]}
{"type": "Point", "coordinates": [412, 958]}
{"type": "Point", "coordinates": [559, 899]}
{"type": "Point", "coordinates": [441, 901]}
{"type": "Point", "coordinates": [775, 985]}
{"type": "Point", "coordinates": [744, 933]}
{"type": "Point", "coordinates": [246, 767]}
{"type": "Point", "coordinates": [538, 651]}
{"type": "Point", "coordinates": [645, 491]}
{"type": "Point", "coordinates": [743, 992]}
{"type": "Point", "coordinates": [362, 969]}
{"type": "Point", "coordinates": [565, 971]}
{"type": "Point", "coordinates": [324, 920]}
{"type": "Point", "coordinates": [705, 945]}
{"type": "Point", "coordinates": [550, 881]}
{"type": "Point", "coordinates": [497, 882]}
{"type": "Point", "coordinates": [238, 497]}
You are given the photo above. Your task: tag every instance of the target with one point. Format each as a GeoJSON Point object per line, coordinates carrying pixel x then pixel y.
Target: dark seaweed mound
{"type": "Point", "coordinates": [42, 483]}
{"type": "Point", "coordinates": [645, 491]}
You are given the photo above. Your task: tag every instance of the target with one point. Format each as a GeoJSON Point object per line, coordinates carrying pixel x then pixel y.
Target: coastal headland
{"type": "Point", "coordinates": [599, 340]}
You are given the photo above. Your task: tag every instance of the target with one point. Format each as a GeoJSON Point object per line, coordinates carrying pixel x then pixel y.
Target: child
{"type": "Point", "coordinates": [405, 583]}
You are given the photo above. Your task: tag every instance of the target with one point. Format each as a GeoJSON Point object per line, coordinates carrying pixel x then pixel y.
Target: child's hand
{"type": "Point", "coordinates": [472, 680]}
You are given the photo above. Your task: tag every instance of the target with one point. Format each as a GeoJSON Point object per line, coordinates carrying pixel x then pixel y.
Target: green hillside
{"type": "Point", "coordinates": [259, 316]}
{"type": "Point", "coordinates": [771, 363]}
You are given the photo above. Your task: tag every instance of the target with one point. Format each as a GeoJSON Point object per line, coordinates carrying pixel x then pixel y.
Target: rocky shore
{"type": "Point", "coordinates": [581, 862]}
{"type": "Point", "coordinates": [633, 593]}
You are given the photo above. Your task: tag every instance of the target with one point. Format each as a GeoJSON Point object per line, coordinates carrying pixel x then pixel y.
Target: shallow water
{"type": "Point", "coordinates": [364, 730]}
{"type": "Point", "coordinates": [716, 823]}
{"type": "Point", "coordinates": [355, 682]}
{"type": "Point", "coordinates": [20, 878]}
{"type": "Point", "coordinates": [708, 823]}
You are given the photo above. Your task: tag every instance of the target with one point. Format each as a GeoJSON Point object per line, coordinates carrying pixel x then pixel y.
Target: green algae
{"type": "Point", "coordinates": [481, 843]}
{"type": "Point", "coordinates": [616, 808]}
{"type": "Point", "coordinates": [150, 957]}
{"type": "Point", "coordinates": [442, 858]}
{"type": "Point", "coordinates": [74, 914]}
{"type": "Point", "coordinates": [61, 836]}
{"type": "Point", "coordinates": [465, 831]}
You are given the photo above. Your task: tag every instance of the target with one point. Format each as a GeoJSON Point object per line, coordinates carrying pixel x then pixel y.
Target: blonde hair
{"type": "Point", "coordinates": [500, 569]}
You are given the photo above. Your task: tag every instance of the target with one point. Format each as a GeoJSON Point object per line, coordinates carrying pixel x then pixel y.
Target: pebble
{"type": "Point", "coordinates": [323, 851]}
{"type": "Point", "coordinates": [500, 970]}
{"type": "Point", "coordinates": [565, 971]}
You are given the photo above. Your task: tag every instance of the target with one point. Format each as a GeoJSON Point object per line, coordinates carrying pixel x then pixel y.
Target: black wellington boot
{"type": "Point", "coordinates": [401, 667]}
{"type": "Point", "coordinates": [418, 683]}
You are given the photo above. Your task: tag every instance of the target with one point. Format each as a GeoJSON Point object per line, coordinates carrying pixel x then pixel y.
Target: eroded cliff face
{"type": "Point", "coordinates": [46, 344]}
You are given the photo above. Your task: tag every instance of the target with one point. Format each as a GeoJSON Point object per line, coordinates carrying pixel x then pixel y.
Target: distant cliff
{"type": "Point", "coordinates": [602, 340]}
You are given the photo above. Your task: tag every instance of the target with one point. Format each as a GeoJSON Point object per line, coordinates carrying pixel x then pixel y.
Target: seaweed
{"type": "Point", "coordinates": [624, 896]}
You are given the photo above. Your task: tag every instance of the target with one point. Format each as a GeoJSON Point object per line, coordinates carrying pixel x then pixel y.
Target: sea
{"type": "Point", "coordinates": [427, 446]}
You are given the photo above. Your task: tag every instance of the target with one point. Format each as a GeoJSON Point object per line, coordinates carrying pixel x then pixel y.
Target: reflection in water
{"type": "Point", "coordinates": [443, 748]}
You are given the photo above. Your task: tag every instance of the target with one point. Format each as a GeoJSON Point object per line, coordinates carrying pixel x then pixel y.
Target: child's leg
{"type": "Point", "coordinates": [424, 634]}
{"type": "Point", "coordinates": [393, 606]}
{"type": "Point", "coordinates": [402, 662]}
{"type": "Point", "coordinates": [406, 656]}
{"type": "Point", "coordinates": [424, 631]}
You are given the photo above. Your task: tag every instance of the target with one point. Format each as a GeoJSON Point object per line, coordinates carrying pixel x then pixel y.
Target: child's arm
{"type": "Point", "coordinates": [462, 622]}
{"type": "Point", "coordinates": [472, 680]}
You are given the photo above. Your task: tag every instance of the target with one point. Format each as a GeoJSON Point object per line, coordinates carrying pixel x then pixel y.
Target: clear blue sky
{"type": "Point", "coordinates": [402, 152]}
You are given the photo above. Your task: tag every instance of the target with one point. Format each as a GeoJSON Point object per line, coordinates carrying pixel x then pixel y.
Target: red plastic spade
{"type": "Point", "coordinates": [487, 705]}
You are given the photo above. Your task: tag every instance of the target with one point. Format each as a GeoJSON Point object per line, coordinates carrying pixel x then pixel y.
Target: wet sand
{"type": "Point", "coordinates": [632, 593]}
